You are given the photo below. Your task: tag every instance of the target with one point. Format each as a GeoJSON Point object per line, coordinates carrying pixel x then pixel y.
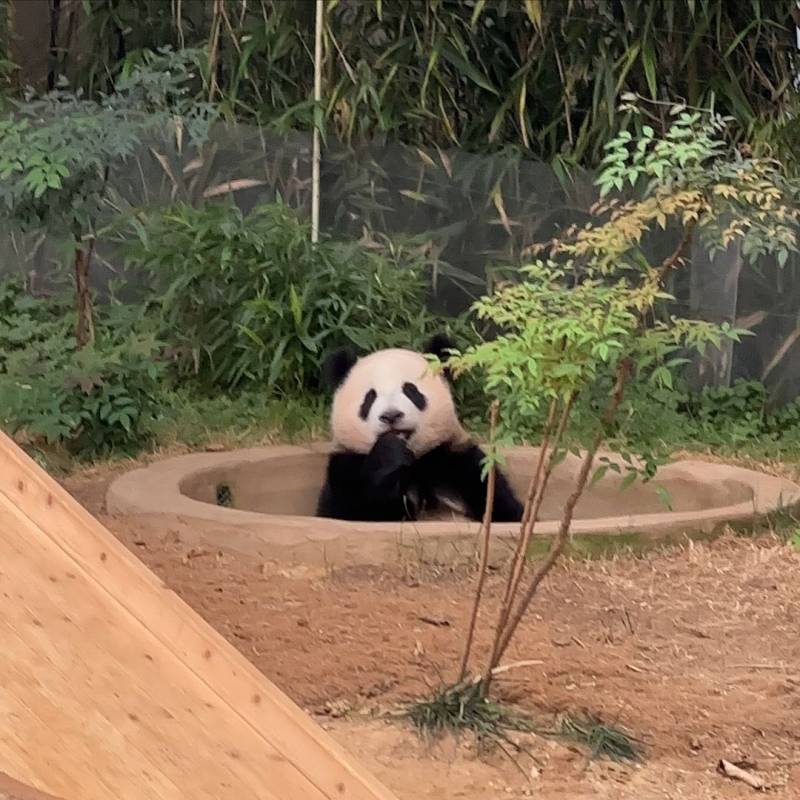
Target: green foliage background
{"type": "Point", "coordinates": [540, 75]}
{"type": "Point", "coordinates": [249, 300]}
{"type": "Point", "coordinates": [510, 80]}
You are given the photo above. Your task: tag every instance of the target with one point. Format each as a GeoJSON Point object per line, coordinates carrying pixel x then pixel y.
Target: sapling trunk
{"type": "Point", "coordinates": [503, 636]}
{"type": "Point", "coordinates": [533, 505]}
{"type": "Point", "coordinates": [486, 529]}
{"type": "Point", "coordinates": [509, 617]}
{"type": "Point", "coordinates": [84, 323]}
{"type": "Point", "coordinates": [533, 489]}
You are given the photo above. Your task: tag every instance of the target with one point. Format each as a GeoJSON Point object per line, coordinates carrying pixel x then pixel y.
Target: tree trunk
{"type": "Point", "coordinates": [84, 324]}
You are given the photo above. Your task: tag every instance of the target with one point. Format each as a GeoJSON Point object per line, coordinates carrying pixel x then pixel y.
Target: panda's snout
{"type": "Point", "coordinates": [391, 416]}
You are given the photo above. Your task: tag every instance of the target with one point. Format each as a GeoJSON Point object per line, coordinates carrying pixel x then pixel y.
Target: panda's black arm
{"type": "Point", "coordinates": [460, 471]}
{"type": "Point", "coordinates": [367, 487]}
{"type": "Point", "coordinates": [349, 493]}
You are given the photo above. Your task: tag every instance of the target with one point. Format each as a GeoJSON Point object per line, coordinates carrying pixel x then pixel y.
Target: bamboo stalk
{"type": "Point", "coordinates": [213, 48]}
{"type": "Point", "coordinates": [315, 159]}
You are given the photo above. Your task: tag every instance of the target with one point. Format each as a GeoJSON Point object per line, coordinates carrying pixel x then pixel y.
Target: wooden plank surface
{"type": "Point", "coordinates": [112, 687]}
{"type": "Point", "coordinates": [11, 789]}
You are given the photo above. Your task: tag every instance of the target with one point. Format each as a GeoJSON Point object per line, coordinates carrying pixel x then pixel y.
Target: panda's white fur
{"type": "Point", "coordinates": [399, 448]}
{"type": "Point", "coordinates": [385, 372]}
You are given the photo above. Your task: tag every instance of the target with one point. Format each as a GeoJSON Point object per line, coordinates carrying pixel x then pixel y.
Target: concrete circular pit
{"type": "Point", "coordinates": [263, 500]}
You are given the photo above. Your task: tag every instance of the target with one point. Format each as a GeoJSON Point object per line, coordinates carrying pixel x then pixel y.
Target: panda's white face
{"type": "Point", "coordinates": [394, 390]}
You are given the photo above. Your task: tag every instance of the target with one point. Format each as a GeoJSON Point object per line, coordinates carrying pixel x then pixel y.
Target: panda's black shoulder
{"type": "Point", "coordinates": [440, 461]}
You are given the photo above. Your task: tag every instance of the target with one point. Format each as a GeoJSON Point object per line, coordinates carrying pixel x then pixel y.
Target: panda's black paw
{"type": "Point", "coordinates": [390, 451]}
{"type": "Point", "coordinates": [388, 462]}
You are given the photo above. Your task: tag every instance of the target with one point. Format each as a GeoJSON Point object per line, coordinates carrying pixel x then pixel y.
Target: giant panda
{"type": "Point", "coordinates": [398, 447]}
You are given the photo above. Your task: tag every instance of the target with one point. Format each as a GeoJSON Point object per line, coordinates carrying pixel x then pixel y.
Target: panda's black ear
{"type": "Point", "coordinates": [336, 366]}
{"type": "Point", "coordinates": [438, 345]}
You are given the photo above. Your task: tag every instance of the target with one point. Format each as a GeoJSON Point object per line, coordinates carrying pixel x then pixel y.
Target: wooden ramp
{"type": "Point", "coordinates": [112, 688]}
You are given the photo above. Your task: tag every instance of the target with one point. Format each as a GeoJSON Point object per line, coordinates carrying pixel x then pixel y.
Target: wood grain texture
{"type": "Point", "coordinates": [112, 687]}
{"type": "Point", "coordinates": [11, 789]}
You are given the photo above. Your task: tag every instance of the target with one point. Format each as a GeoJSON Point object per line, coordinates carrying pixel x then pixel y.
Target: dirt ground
{"type": "Point", "coordinates": [695, 651]}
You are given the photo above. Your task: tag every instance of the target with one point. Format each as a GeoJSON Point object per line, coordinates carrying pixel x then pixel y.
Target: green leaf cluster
{"type": "Point", "coordinates": [56, 151]}
{"type": "Point", "coordinates": [592, 317]}
{"type": "Point", "coordinates": [248, 299]}
{"type": "Point", "coordinates": [98, 399]}
{"type": "Point", "coordinates": [692, 175]}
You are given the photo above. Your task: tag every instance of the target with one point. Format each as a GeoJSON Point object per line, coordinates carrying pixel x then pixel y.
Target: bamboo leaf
{"type": "Point", "coordinates": [738, 40]}
{"type": "Point", "coordinates": [497, 199]}
{"type": "Point", "coordinates": [421, 197]}
{"type": "Point", "coordinates": [629, 59]}
{"type": "Point", "coordinates": [432, 59]}
{"type": "Point", "coordinates": [467, 69]}
{"type": "Point", "coordinates": [664, 496]}
{"type": "Point", "coordinates": [533, 8]}
{"type": "Point", "coordinates": [649, 64]}
{"type": "Point", "coordinates": [523, 120]}
{"type": "Point", "coordinates": [445, 159]}
{"type": "Point", "coordinates": [480, 5]}
{"type": "Point", "coordinates": [499, 118]}
{"type": "Point", "coordinates": [425, 157]}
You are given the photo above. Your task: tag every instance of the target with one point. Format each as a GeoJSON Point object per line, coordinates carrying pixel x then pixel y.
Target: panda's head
{"type": "Point", "coordinates": [392, 390]}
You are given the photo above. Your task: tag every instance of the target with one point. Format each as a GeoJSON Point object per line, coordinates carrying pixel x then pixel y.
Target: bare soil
{"type": "Point", "coordinates": [694, 650]}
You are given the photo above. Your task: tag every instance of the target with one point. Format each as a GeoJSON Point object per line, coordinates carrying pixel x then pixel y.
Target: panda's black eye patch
{"type": "Point", "coordinates": [366, 405]}
{"type": "Point", "coordinates": [415, 396]}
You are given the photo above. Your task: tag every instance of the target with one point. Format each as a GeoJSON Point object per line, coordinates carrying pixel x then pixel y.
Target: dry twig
{"type": "Point", "coordinates": [730, 770]}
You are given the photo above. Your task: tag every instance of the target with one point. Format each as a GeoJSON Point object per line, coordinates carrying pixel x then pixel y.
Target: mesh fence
{"type": "Point", "coordinates": [472, 215]}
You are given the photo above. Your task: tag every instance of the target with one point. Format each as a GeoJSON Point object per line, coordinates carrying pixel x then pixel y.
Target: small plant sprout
{"type": "Point", "coordinates": [588, 319]}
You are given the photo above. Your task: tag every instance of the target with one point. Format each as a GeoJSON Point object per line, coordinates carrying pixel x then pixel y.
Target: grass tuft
{"type": "Point", "coordinates": [460, 708]}
{"type": "Point", "coordinates": [463, 708]}
{"type": "Point", "coordinates": [603, 740]}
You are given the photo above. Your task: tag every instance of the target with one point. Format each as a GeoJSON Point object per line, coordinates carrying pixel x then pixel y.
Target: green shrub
{"type": "Point", "coordinates": [26, 320]}
{"type": "Point", "coordinates": [94, 400]}
{"type": "Point", "coordinates": [59, 154]}
{"type": "Point", "coordinates": [735, 414]}
{"type": "Point", "coordinates": [248, 299]}
{"type": "Point", "coordinates": [655, 419]}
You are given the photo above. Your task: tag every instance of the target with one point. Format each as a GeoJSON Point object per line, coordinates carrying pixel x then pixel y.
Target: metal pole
{"type": "Point", "coordinates": [317, 122]}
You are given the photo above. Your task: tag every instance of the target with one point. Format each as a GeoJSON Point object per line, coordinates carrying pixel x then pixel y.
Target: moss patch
{"type": "Point", "coordinates": [602, 545]}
